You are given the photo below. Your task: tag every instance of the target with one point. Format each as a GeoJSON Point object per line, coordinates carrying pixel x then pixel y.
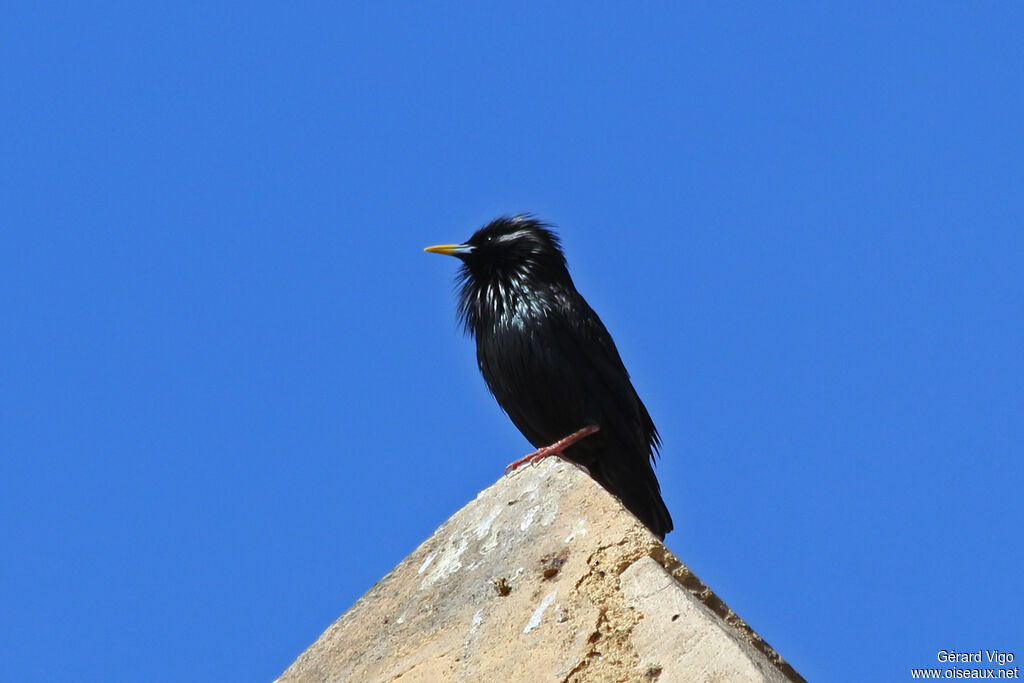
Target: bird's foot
{"type": "Point", "coordinates": [554, 449]}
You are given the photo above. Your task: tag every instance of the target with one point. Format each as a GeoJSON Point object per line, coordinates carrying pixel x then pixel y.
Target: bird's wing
{"type": "Point", "coordinates": [585, 340]}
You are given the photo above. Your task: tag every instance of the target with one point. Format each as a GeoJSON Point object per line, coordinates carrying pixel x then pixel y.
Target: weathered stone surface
{"type": "Point", "coordinates": [544, 577]}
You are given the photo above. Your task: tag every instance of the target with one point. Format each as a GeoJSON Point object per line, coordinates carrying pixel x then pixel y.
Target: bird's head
{"type": "Point", "coordinates": [509, 263]}
{"type": "Point", "coordinates": [517, 247]}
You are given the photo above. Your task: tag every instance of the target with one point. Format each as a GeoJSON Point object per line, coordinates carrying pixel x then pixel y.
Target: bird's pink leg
{"type": "Point", "coordinates": [554, 449]}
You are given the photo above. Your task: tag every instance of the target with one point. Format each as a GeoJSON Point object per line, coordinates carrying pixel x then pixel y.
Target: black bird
{"type": "Point", "coordinates": [551, 364]}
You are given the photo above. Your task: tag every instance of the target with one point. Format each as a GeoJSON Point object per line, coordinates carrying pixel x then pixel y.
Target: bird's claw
{"type": "Point", "coordinates": [532, 458]}
{"type": "Point", "coordinates": [553, 449]}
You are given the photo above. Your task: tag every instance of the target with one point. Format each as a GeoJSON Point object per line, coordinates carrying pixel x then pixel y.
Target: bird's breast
{"type": "Point", "coordinates": [501, 305]}
{"type": "Point", "coordinates": [526, 370]}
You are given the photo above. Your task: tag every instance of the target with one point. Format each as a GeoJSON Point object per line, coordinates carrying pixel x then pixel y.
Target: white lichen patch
{"type": "Point", "coordinates": [447, 564]}
{"type": "Point", "coordinates": [578, 531]}
{"type": "Point", "coordinates": [538, 613]}
{"type": "Point", "coordinates": [529, 489]}
{"type": "Point", "coordinates": [549, 511]}
{"type": "Point", "coordinates": [478, 619]}
{"type": "Point", "coordinates": [484, 526]}
{"type": "Point", "coordinates": [426, 563]}
{"type": "Point", "coordinates": [489, 543]}
{"type": "Point", "coordinates": [528, 518]}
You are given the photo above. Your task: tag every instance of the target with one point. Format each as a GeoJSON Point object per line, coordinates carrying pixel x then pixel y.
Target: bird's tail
{"type": "Point", "coordinates": [642, 496]}
{"type": "Point", "coordinates": [633, 482]}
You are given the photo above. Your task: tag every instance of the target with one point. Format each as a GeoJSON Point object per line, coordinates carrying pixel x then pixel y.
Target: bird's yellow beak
{"type": "Point", "coordinates": [450, 249]}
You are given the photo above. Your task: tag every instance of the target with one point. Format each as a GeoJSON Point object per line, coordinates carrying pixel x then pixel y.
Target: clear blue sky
{"type": "Point", "coordinates": [233, 394]}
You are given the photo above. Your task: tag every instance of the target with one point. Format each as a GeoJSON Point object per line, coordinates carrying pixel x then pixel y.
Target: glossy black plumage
{"type": "Point", "coordinates": [551, 364]}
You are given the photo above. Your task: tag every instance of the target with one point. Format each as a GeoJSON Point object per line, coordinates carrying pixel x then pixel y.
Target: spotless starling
{"type": "Point", "coordinates": [551, 364]}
